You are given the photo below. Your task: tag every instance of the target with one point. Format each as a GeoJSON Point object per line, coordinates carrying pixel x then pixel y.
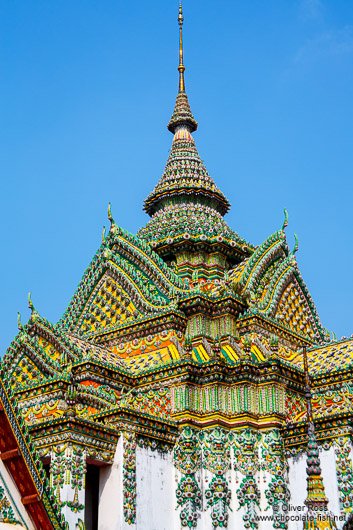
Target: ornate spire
{"type": "Point", "coordinates": [182, 114]}
{"type": "Point", "coordinates": [186, 200]}
{"type": "Point", "coordinates": [185, 177]}
{"type": "Point", "coordinates": [316, 501]}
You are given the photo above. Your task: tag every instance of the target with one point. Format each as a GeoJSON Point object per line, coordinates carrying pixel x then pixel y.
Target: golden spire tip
{"type": "Point", "coordinates": [181, 66]}
{"type": "Point", "coordinates": [180, 17]}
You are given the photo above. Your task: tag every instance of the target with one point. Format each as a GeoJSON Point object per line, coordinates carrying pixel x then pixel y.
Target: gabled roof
{"type": "Point", "coordinates": [271, 283]}
{"type": "Point", "coordinates": [331, 357]}
{"type": "Point", "coordinates": [38, 352]}
{"type": "Point", "coordinates": [125, 280]}
{"type": "Point", "coordinates": [24, 466]}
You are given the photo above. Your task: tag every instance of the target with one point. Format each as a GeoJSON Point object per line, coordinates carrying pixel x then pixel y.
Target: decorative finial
{"type": "Point", "coordinates": [181, 66]}
{"type": "Point", "coordinates": [110, 213]}
{"type": "Point", "coordinates": [296, 245]}
{"type": "Point", "coordinates": [34, 312]}
{"type": "Point", "coordinates": [285, 222]}
{"type": "Point", "coordinates": [113, 226]}
{"type": "Point", "coordinates": [30, 303]}
{"type": "Point", "coordinates": [19, 320]}
{"type": "Point", "coordinates": [103, 235]}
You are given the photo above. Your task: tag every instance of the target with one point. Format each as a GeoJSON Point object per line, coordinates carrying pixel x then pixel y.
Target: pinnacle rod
{"type": "Point", "coordinates": [181, 66]}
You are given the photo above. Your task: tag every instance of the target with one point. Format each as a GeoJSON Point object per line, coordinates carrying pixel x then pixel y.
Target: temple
{"type": "Point", "coordinates": [189, 383]}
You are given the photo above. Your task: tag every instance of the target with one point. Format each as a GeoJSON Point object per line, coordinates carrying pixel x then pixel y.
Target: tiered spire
{"type": "Point", "coordinates": [186, 187]}
{"type": "Point", "coordinates": [317, 516]}
{"type": "Point", "coordinates": [182, 114]}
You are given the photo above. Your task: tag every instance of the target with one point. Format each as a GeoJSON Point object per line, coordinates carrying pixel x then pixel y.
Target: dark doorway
{"type": "Point", "coordinates": [91, 500]}
{"type": "Point", "coordinates": [47, 469]}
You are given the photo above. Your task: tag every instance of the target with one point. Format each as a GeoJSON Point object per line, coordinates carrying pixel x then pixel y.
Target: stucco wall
{"type": "Point", "coordinates": [155, 491]}
{"type": "Point", "coordinates": [110, 507]}
{"type": "Point", "coordinates": [156, 482]}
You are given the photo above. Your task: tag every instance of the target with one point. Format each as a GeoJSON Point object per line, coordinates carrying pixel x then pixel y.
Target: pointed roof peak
{"type": "Point", "coordinates": [182, 115]}
{"type": "Point", "coordinates": [181, 66]}
{"type": "Point", "coordinates": [186, 192]}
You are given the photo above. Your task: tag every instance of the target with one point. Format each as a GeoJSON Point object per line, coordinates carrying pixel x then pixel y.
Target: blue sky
{"type": "Point", "coordinates": [87, 89]}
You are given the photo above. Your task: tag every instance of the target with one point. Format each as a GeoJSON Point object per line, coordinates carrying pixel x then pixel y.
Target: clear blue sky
{"type": "Point", "coordinates": [87, 89]}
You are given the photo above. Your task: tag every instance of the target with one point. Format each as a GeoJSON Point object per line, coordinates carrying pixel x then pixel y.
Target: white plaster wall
{"type": "Point", "coordinates": [297, 488]}
{"type": "Point", "coordinates": [264, 479]}
{"type": "Point", "coordinates": [155, 491]}
{"type": "Point", "coordinates": [204, 522]}
{"type": "Point", "coordinates": [16, 496]}
{"type": "Point", "coordinates": [156, 506]}
{"type": "Point", "coordinates": [235, 513]}
{"type": "Point", "coordinates": [67, 494]}
{"type": "Point", "coordinates": [328, 467]}
{"type": "Point", "coordinates": [110, 508]}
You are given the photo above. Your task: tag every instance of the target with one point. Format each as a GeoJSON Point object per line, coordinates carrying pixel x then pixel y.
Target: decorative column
{"type": "Point", "coordinates": [187, 460]}
{"type": "Point", "coordinates": [67, 477]}
{"type": "Point", "coordinates": [246, 462]}
{"type": "Point", "coordinates": [344, 473]}
{"type": "Point", "coordinates": [216, 459]}
{"type": "Point", "coordinates": [317, 516]}
{"type": "Point", "coordinates": [274, 463]}
{"type": "Point", "coordinates": [129, 477]}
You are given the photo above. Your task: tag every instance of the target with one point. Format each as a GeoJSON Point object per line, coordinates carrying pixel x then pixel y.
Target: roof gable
{"type": "Point", "coordinates": [22, 463]}
{"type": "Point", "coordinates": [125, 280]}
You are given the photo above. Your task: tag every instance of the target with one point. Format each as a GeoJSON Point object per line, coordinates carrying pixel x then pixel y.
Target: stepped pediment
{"type": "Point", "coordinates": [37, 353]}
{"type": "Point", "coordinates": [126, 280]}
{"type": "Point", "coordinates": [271, 283]}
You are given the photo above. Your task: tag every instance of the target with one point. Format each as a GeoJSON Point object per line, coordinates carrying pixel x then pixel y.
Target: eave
{"type": "Point", "coordinates": [335, 426]}
{"type": "Point", "coordinates": [93, 435]}
{"type": "Point", "coordinates": [124, 418]}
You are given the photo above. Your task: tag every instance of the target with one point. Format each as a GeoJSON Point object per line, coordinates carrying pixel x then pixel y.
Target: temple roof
{"type": "Point", "coordinates": [186, 198]}
{"type": "Point", "coordinates": [140, 332]}
{"type": "Point", "coordinates": [185, 178]}
{"type": "Point", "coordinates": [182, 115]}
{"type": "Point", "coordinates": [21, 462]}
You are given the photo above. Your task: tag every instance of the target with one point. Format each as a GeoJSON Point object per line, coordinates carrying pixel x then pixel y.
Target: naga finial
{"type": "Point", "coordinates": [32, 308]}
{"type": "Point", "coordinates": [285, 222]}
{"type": "Point", "coordinates": [30, 303]}
{"type": "Point", "coordinates": [19, 323]}
{"type": "Point", "coordinates": [296, 245]}
{"type": "Point", "coordinates": [110, 213]}
{"type": "Point", "coordinates": [181, 66]}
{"type": "Point", "coordinates": [113, 226]}
{"type": "Point", "coordinates": [103, 235]}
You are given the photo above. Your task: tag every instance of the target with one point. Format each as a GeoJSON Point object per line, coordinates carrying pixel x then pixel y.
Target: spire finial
{"type": "Point", "coordinates": [181, 66]}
